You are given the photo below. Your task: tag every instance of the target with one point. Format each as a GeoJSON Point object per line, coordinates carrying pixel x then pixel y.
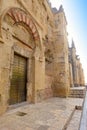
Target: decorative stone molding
{"type": "Point", "coordinates": [20, 16]}
{"type": "Point", "coordinates": [25, 6]}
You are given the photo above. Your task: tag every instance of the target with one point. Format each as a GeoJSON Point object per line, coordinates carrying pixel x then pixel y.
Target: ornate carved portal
{"type": "Point", "coordinates": [20, 16]}
{"type": "Point", "coordinates": [14, 23]}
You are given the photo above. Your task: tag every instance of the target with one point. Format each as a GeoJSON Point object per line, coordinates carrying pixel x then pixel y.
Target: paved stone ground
{"type": "Point", "coordinates": [51, 114]}
{"type": "Point", "coordinates": [74, 123]}
{"type": "Point", "coordinates": [83, 125]}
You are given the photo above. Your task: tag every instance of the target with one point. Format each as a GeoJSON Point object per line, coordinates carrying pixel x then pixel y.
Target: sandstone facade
{"type": "Point", "coordinates": [34, 61]}
{"type": "Point", "coordinates": [77, 74]}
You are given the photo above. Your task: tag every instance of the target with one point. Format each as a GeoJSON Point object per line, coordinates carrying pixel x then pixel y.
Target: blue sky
{"type": "Point", "coordinates": [76, 14]}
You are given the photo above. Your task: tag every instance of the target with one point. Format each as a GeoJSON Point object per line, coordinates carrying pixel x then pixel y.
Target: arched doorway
{"type": "Point", "coordinates": [22, 39]}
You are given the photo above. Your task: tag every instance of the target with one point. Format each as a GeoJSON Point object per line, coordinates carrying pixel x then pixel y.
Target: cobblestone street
{"type": "Point", "coordinates": [51, 114]}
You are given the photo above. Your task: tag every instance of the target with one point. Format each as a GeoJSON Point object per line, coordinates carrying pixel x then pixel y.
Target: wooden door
{"type": "Point", "coordinates": [18, 82]}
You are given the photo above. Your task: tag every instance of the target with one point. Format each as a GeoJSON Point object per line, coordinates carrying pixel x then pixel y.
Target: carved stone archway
{"type": "Point", "coordinates": [20, 16]}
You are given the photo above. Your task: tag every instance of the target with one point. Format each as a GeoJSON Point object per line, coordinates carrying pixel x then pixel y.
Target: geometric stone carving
{"type": "Point", "coordinates": [19, 15]}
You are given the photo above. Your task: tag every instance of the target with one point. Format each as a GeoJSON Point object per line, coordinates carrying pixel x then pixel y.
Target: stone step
{"type": "Point", "coordinates": [77, 92]}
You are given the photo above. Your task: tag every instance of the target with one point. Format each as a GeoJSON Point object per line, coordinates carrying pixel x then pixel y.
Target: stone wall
{"type": "Point", "coordinates": [33, 30]}
{"type": "Point", "coordinates": [20, 34]}
{"type": "Point", "coordinates": [77, 70]}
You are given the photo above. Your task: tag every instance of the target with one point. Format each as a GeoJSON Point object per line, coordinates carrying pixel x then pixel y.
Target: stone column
{"type": "Point", "coordinates": [38, 76]}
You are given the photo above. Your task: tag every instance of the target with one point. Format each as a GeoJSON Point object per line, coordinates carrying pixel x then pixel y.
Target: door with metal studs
{"type": "Point", "coordinates": [18, 81]}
